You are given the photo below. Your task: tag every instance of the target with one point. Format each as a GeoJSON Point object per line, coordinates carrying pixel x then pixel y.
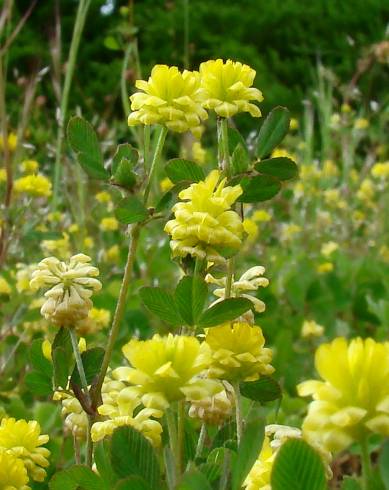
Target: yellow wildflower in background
{"type": "Point", "coordinates": [112, 254]}
{"type": "Point", "coordinates": [166, 369]}
{"type": "Point", "coordinates": [227, 88]}
{"type": "Point", "coordinates": [71, 286]}
{"type": "Point", "coordinates": [55, 217]}
{"type": "Point", "coordinates": [166, 184]}
{"type": "Point", "coordinates": [380, 170]}
{"type": "Point", "coordinates": [330, 169]}
{"type": "Point", "coordinates": [366, 191]}
{"type": "Point", "coordinates": [24, 440]}
{"type": "Point", "coordinates": [5, 288]}
{"type": "Point", "coordinates": [88, 242]}
{"type": "Point", "coordinates": [23, 277]}
{"type": "Point", "coordinates": [103, 197]}
{"type": "Point", "coordinates": [171, 98]}
{"type": "Point", "coordinates": [311, 329]}
{"type": "Point", "coordinates": [294, 124]}
{"type": "Point", "coordinates": [333, 198]}
{"type": "Point", "coordinates": [33, 185]}
{"type": "Point", "coordinates": [329, 248]}
{"type": "Point", "coordinates": [198, 153]}
{"type": "Point", "coordinates": [353, 398]}
{"type": "Point", "coordinates": [206, 221]}
{"type": "Point", "coordinates": [289, 230]}
{"type": "Point", "coordinates": [29, 166]}
{"type": "Point", "coordinates": [261, 215]}
{"type": "Point", "coordinates": [361, 123]}
{"type": "Point", "coordinates": [282, 152]}
{"type": "Point", "coordinates": [325, 267]}
{"type": "Point", "coordinates": [98, 319]}
{"type": "Point", "coordinates": [238, 352]}
{"type": "Point", "coordinates": [12, 142]}
{"type": "Point", "coordinates": [251, 228]}
{"type": "Point", "coordinates": [13, 473]}
{"type": "Point", "coordinates": [121, 407]}
{"type": "Point", "coordinates": [109, 224]}
{"type": "Point", "coordinates": [3, 175]}
{"type": "Point", "coordinates": [59, 247]}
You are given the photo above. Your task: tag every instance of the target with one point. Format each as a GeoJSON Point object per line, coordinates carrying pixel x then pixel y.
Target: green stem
{"type": "Point", "coordinates": [119, 312]}
{"type": "Point", "coordinates": [366, 463]}
{"type": "Point", "coordinates": [154, 163]}
{"type": "Point", "coordinates": [146, 145]}
{"type": "Point", "coordinates": [82, 11]}
{"type": "Point", "coordinates": [230, 275]}
{"type": "Point", "coordinates": [172, 430]}
{"type": "Point", "coordinates": [225, 149]}
{"type": "Point", "coordinates": [238, 412]}
{"type": "Point", "coordinates": [80, 366]}
{"type": "Point", "coordinates": [84, 384]}
{"type": "Point", "coordinates": [200, 442]}
{"type": "Point", "coordinates": [180, 435]}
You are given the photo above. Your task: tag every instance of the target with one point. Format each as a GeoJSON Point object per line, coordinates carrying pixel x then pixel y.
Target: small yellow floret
{"type": "Point", "coordinates": [33, 185]}
{"type": "Point", "coordinates": [5, 288]}
{"type": "Point", "coordinates": [109, 224]}
{"type": "Point", "coordinates": [311, 329]}
{"type": "Point", "coordinates": [29, 166]}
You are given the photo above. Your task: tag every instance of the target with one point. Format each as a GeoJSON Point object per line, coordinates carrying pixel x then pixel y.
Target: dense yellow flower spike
{"type": "Point", "coordinates": [120, 403]}
{"type": "Point", "coordinates": [206, 221]}
{"type": "Point", "coordinates": [24, 440]}
{"type": "Point", "coordinates": [33, 185]}
{"type": "Point", "coordinates": [72, 284]}
{"type": "Point", "coordinates": [171, 98]}
{"type": "Point", "coordinates": [353, 399]}
{"type": "Point", "coordinates": [13, 474]}
{"type": "Point", "coordinates": [228, 88]}
{"type": "Point", "coordinates": [166, 369]}
{"type": "Point", "coordinates": [238, 352]}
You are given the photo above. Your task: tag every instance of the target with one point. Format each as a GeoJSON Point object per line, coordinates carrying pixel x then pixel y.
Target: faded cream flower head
{"type": "Point", "coordinates": [167, 369]}
{"type": "Point", "coordinates": [249, 282]}
{"type": "Point", "coordinates": [352, 401]}
{"type": "Point", "coordinates": [171, 98]}
{"type": "Point", "coordinates": [205, 222]}
{"type": "Point", "coordinates": [24, 440]}
{"type": "Point", "coordinates": [71, 285]}
{"type": "Point", "coordinates": [228, 88]}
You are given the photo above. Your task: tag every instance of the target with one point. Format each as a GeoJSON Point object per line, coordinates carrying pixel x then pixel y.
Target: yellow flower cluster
{"type": "Point", "coordinates": [167, 369]}
{"type": "Point", "coordinates": [13, 473]}
{"type": "Point", "coordinates": [5, 288]}
{"type": "Point", "coordinates": [59, 247]}
{"type": "Point", "coordinates": [380, 170]}
{"type": "Point", "coordinates": [206, 221]}
{"type": "Point", "coordinates": [109, 224]}
{"type": "Point", "coordinates": [178, 99]}
{"type": "Point", "coordinates": [169, 97]}
{"type": "Point", "coordinates": [352, 401]}
{"type": "Point", "coordinates": [24, 441]}
{"type": "Point", "coordinates": [33, 185]}
{"type": "Point", "coordinates": [120, 407]}
{"type": "Point", "coordinates": [238, 352]}
{"type": "Point", "coordinates": [12, 142]}
{"type": "Point", "coordinates": [311, 329]}
{"type": "Point", "coordinates": [29, 166]}
{"type": "Point", "coordinates": [71, 286]}
{"type": "Point", "coordinates": [97, 319]}
{"type": "Point", "coordinates": [228, 88]}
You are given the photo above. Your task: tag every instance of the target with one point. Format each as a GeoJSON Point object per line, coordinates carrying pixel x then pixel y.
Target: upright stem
{"type": "Point", "coordinates": [119, 312]}
{"type": "Point", "coordinates": [172, 430]}
{"type": "Point", "coordinates": [238, 412]}
{"type": "Point", "coordinates": [154, 163]}
{"type": "Point", "coordinates": [84, 384]}
{"type": "Point", "coordinates": [224, 144]}
{"type": "Point", "coordinates": [366, 463]}
{"type": "Point", "coordinates": [200, 442]}
{"type": "Point", "coordinates": [82, 11]}
{"type": "Point", "coordinates": [180, 435]}
{"type": "Point", "coordinates": [230, 275]}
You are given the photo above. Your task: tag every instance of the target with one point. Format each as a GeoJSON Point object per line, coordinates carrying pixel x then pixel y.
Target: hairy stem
{"type": "Point", "coordinates": [119, 312]}
{"type": "Point", "coordinates": [154, 163]}
{"type": "Point", "coordinates": [201, 440]}
{"type": "Point", "coordinates": [366, 463]}
{"type": "Point", "coordinates": [238, 412]}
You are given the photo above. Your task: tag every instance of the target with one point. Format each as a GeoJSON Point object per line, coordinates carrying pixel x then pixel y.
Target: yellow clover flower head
{"type": "Point", "coordinates": [59, 247]}
{"type": "Point", "coordinates": [12, 142]}
{"type": "Point", "coordinates": [23, 277]}
{"type": "Point", "coordinates": [33, 185]}
{"type": "Point", "coordinates": [238, 352]}
{"type": "Point", "coordinates": [13, 473]}
{"type": "Point", "coordinates": [24, 440]}
{"type": "Point", "coordinates": [311, 329]}
{"type": "Point", "coordinates": [109, 223]}
{"type": "Point", "coordinates": [5, 288]}
{"type": "Point", "coordinates": [120, 403]}
{"type": "Point", "coordinates": [98, 319]}
{"type": "Point", "coordinates": [353, 398]}
{"type": "Point", "coordinates": [171, 98]}
{"type": "Point", "coordinates": [214, 409]}
{"type": "Point", "coordinates": [380, 170]}
{"type": "Point", "coordinates": [228, 88]}
{"type": "Point", "coordinates": [71, 285]}
{"type": "Point", "coordinates": [167, 369]}
{"type": "Point", "coordinates": [29, 166]}
{"type": "Point", "coordinates": [75, 419]}
{"type": "Point", "coordinates": [205, 220]}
